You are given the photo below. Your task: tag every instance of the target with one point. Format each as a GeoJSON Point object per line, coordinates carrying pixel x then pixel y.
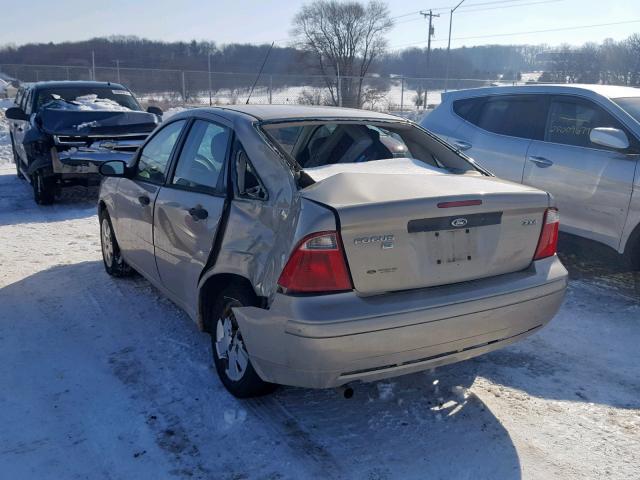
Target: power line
{"type": "Point", "coordinates": [471, 5]}
{"type": "Point", "coordinates": [486, 8]}
{"type": "Point", "coordinates": [495, 35]}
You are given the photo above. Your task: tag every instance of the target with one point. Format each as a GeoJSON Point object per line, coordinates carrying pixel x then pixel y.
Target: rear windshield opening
{"type": "Point", "coordinates": [318, 144]}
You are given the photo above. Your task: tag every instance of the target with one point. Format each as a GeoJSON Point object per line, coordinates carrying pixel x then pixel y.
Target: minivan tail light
{"type": "Point", "coordinates": [548, 242]}
{"type": "Point", "coordinates": [317, 265]}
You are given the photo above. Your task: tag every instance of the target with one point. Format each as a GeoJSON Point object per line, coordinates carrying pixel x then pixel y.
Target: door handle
{"type": "Point", "coordinates": [198, 213]}
{"type": "Point", "coordinates": [144, 200]}
{"type": "Point", "coordinates": [540, 161]}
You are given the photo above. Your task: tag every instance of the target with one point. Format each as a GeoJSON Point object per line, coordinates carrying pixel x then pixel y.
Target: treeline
{"type": "Point", "coordinates": [134, 52]}
{"type": "Point", "coordinates": [482, 62]}
{"type": "Point", "coordinates": [609, 62]}
{"type": "Point", "coordinates": [485, 62]}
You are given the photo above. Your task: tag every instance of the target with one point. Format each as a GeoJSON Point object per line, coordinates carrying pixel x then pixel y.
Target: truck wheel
{"type": "Point", "coordinates": [43, 188]}
{"type": "Point", "coordinates": [114, 264]}
{"type": "Point", "coordinates": [229, 351]}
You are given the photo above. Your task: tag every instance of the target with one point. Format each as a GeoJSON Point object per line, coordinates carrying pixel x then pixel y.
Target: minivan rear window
{"type": "Point", "coordinates": [511, 115]}
{"type": "Point", "coordinates": [465, 108]}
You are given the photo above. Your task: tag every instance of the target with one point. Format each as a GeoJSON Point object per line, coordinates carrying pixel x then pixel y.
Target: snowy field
{"type": "Point", "coordinates": [106, 379]}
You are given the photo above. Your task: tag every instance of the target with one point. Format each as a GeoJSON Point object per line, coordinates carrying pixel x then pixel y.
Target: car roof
{"type": "Point", "coordinates": [609, 91]}
{"type": "Point", "coordinates": [75, 83]}
{"type": "Point", "coordinates": [299, 112]}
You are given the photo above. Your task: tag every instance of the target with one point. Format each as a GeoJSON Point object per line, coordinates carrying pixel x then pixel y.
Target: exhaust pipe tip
{"type": "Point", "coordinates": [347, 392]}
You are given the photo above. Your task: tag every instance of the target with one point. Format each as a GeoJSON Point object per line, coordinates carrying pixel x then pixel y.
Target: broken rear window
{"type": "Point", "coordinates": [312, 144]}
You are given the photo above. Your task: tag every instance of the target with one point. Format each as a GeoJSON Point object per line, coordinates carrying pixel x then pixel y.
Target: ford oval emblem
{"type": "Point", "coordinates": [459, 222]}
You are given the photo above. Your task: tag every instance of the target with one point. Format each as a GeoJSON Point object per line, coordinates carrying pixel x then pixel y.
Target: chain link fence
{"type": "Point", "coordinates": [171, 88]}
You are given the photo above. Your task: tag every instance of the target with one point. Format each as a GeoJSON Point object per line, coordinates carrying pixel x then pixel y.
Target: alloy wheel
{"type": "Point", "coordinates": [107, 242]}
{"type": "Point", "coordinates": [229, 344]}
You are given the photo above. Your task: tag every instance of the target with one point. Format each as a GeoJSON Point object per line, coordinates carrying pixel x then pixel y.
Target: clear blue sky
{"type": "Point", "coordinates": [264, 21]}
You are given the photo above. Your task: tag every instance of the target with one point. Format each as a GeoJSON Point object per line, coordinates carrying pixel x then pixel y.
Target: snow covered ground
{"type": "Point", "coordinates": [104, 378]}
{"type": "Point", "coordinates": [5, 140]}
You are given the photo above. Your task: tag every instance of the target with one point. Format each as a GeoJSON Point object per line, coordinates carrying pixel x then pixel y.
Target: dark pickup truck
{"type": "Point", "coordinates": [62, 131]}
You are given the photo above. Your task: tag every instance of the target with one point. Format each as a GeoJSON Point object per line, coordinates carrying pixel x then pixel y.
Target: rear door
{"type": "Point", "coordinates": [498, 131]}
{"type": "Point", "coordinates": [137, 196]}
{"type": "Point", "coordinates": [189, 208]}
{"type": "Point", "coordinates": [591, 184]}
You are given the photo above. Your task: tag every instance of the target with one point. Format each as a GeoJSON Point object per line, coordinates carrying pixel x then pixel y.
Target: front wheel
{"type": "Point", "coordinates": [43, 188]}
{"type": "Point", "coordinates": [229, 350]}
{"type": "Point", "coordinates": [114, 264]}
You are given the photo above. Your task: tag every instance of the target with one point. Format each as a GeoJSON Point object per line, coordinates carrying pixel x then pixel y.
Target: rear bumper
{"type": "Point", "coordinates": [327, 341]}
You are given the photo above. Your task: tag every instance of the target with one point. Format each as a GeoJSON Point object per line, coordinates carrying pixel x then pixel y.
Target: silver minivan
{"type": "Point", "coordinates": [320, 246]}
{"type": "Point", "coordinates": [581, 143]}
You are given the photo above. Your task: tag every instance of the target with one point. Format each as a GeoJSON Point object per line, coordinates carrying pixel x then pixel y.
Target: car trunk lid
{"type": "Point", "coordinates": [406, 231]}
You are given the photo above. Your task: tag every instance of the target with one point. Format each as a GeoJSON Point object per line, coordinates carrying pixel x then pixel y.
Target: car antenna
{"type": "Point", "coordinates": [259, 73]}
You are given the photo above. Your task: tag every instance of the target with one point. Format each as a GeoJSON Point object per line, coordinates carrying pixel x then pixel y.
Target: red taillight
{"type": "Point", "coordinates": [548, 243]}
{"type": "Point", "coordinates": [317, 265]}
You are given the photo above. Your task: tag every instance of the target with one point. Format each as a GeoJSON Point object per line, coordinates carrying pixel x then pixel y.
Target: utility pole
{"type": "Point", "coordinates": [93, 65]}
{"type": "Point", "coordinates": [339, 92]}
{"type": "Point", "coordinates": [209, 69]}
{"type": "Point", "coordinates": [446, 77]}
{"type": "Point", "coordinates": [429, 35]}
{"type": "Point", "coordinates": [118, 70]}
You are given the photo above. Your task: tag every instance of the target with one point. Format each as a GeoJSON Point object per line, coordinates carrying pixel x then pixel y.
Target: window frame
{"type": "Point", "coordinates": [174, 149]}
{"type": "Point", "coordinates": [236, 149]}
{"type": "Point", "coordinates": [18, 100]}
{"type": "Point", "coordinates": [221, 187]}
{"type": "Point", "coordinates": [28, 102]}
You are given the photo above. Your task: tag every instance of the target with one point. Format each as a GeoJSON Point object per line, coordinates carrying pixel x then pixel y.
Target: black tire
{"type": "Point", "coordinates": [240, 382]}
{"type": "Point", "coordinates": [112, 259]}
{"type": "Point", "coordinates": [44, 188]}
{"type": "Point", "coordinates": [632, 252]}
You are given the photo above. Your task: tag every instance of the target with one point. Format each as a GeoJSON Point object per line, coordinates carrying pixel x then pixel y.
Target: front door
{"type": "Point", "coordinates": [19, 128]}
{"type": "Point", "coordinates": [137, 196]}
{"type": "Point", "coordinates": [189, 208]}
{"type": "Point", "coordinates": [591, 184]}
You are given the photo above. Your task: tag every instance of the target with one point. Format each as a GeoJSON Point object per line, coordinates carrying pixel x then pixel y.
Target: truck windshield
{"type": "Point", "coordinates": [120, 96]}
{"type": "Point", "coordinates": [631, 105]}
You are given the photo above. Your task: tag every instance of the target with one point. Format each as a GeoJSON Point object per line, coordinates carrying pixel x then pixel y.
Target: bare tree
{"type": "Point", "coordinates": [345, 38]}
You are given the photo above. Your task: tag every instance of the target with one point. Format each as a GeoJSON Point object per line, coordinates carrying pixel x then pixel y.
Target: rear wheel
{"type": "Point", "coordinates": [114, 264]}
{"type": "Point", "coordinates": [43, 188]}
{"type": "Point", "coordinates": [229, 350]}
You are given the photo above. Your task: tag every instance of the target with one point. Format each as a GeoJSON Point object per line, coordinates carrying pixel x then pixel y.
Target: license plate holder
{"type": "Point", "coordinates": [446, 247]}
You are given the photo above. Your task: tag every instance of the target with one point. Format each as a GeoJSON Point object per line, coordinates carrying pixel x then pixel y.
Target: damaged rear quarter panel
{"type": "Point", "coordinates": [259, 234]}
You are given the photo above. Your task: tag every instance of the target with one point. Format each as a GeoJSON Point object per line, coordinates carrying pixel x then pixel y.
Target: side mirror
{"type": "Point", "coordinates": [609, 137]}
{"type": "Point", "coordinates": [16, 113]}
{"type": "Point", "coordinates": [113, 168]}
{"type": "Point", "coordinates": [155, 110]}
